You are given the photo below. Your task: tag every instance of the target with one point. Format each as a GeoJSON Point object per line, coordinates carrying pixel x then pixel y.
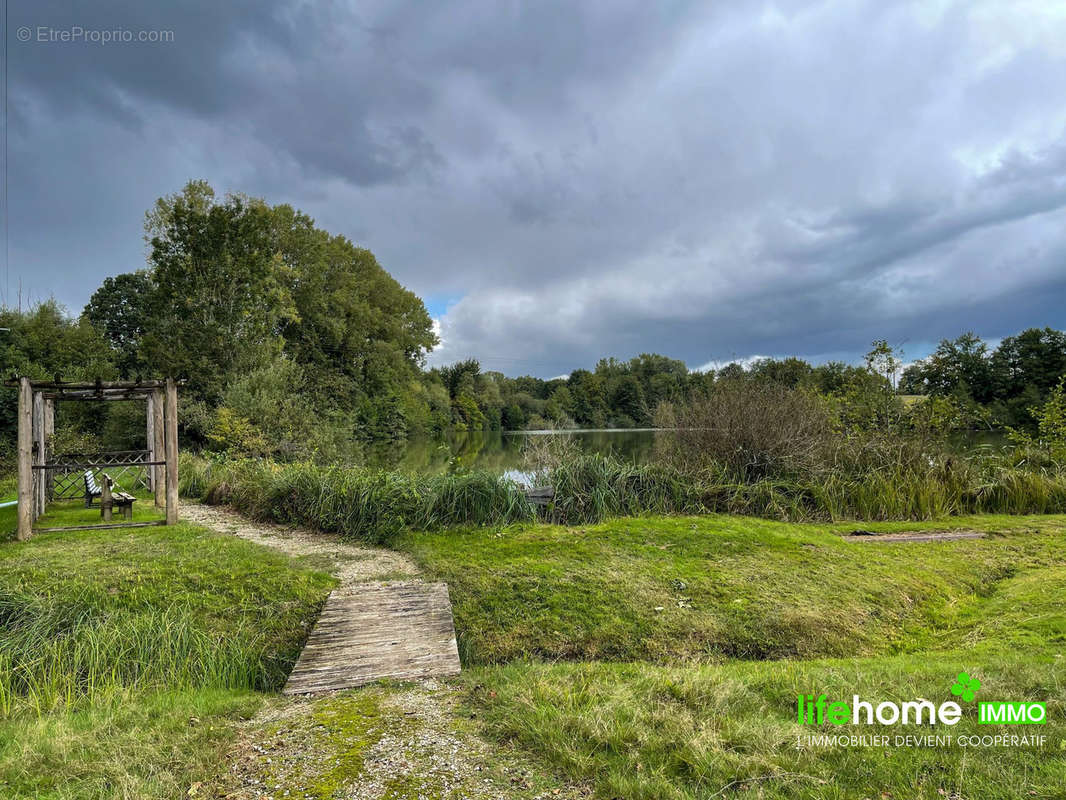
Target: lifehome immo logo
{"type": "Point", "coordinates": [814, 709]}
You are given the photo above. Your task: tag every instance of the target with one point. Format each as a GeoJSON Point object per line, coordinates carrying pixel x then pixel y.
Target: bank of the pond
{"type": "Point", "coordinates": [375, 505]}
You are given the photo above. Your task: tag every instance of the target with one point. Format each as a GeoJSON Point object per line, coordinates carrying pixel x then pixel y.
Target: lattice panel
{"type": "Point", "coordinates": [68, 483]}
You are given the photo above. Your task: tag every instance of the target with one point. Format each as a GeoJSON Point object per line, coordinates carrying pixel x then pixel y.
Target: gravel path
{"type": "Point", "coordinates": [351, 563]}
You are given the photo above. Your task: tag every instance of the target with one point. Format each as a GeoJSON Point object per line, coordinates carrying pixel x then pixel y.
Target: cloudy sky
{"type": "Point", "coordinates": [564, 181]}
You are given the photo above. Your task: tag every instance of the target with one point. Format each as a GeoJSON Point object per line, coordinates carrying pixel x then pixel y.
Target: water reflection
{"type": "Point", "coordinates": [500, 452]}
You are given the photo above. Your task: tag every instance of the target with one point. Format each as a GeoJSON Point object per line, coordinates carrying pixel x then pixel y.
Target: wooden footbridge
{"type": "Point", "coordinates": [400, 630]}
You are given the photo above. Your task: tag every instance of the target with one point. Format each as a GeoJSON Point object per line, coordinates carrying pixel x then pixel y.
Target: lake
{"type": "Point", "coordinates": [502, 451]}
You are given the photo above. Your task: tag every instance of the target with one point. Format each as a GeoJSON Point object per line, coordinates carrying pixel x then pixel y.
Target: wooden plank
{"type": "Point", "coordinates": [100, 527]}
{"type": "Point", "coordinates": [84, 385]}
{"type": "Point", "coordinates": [159, 447]}
{"type": "Point", "coordinates": [106, 396]}
{"type": "Point", "coordinates": [401, 631]}
{"type": "Point", "coordinates": [25, 473]}
{"type": "Point", "coordinates": [99, 465]}
{"type": "Point", "coordinates": [170, 418]}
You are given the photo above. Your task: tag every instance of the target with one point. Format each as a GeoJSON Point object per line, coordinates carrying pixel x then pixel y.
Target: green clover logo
{"type": "Point", "coordinates": [965, 686]}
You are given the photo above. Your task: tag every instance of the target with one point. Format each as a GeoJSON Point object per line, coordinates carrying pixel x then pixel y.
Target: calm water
{"type": "Point", "coordinates": [500, 452]}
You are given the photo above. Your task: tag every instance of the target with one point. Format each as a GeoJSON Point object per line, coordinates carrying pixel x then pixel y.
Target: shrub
{"type": "Point", "coordinates": [750, 430]}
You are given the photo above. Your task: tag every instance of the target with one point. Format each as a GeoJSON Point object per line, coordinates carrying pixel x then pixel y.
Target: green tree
{"type": "Point", "coordinates": [218, 300]}
{"type": "Point", "coordinates": [119, 309]}
{"type": "Point", "coordinates": [958, 367]}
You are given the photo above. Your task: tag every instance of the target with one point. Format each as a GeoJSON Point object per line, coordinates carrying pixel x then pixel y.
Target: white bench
{"type": "Point", "coordinates": [91, 488]}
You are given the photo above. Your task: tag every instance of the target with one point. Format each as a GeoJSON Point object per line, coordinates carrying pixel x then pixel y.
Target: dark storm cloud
{"type": "Point", "coordinates": [588, 179]}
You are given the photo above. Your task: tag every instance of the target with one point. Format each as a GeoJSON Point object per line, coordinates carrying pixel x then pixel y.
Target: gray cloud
{"type": "Point", "coordinates": [589, 179]}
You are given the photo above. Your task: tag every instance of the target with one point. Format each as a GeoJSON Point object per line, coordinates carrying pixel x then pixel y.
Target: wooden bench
{"type": "Point", "coordinates": [110, 499]}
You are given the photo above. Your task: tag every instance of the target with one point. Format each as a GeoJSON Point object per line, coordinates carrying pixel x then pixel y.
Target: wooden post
{"type": "Point", "coordinates": [171, 421]}
{"type": "Point", "coordinates": [106, 501]}
{"type": "Point", "coordinates": [25, 473]}
{"type": "Point", "coordinates": [159, 449]}
{"type": "Point", "coordinates": [38, 454]}
{"type": "Point", "coordinates": [149, 439]}
{"type": "Point", "coordinates": [49, 436]}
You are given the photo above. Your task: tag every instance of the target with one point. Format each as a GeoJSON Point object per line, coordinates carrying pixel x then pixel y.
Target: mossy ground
{"type": "Point", "coordinates": [386, 742]}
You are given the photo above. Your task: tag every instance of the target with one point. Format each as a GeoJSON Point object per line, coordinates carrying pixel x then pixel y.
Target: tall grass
{"type": "Point", "coordinates": [54, 652]}
{"type": "Point", "coordinates": [90, 616]}
{"type": "Point", "coordinates": [376, 505]}
{"type": "Point", "coordinates": [367, 504]}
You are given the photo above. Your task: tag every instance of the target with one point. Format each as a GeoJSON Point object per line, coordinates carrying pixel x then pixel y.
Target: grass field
{"type": "Point", "coordinates": [646, 732]}
{"type": "Point", "coordinates": [690, 639]}
{"type": "Point", "coordinates": [642, 658]}
{"type": "Point", "coordinates": [127, 655]}
{"type": "Point", "coordinates": [716, 587]}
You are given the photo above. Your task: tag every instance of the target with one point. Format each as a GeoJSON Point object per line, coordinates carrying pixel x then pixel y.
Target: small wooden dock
{"type": "Point", "coordinates": [399, 630]}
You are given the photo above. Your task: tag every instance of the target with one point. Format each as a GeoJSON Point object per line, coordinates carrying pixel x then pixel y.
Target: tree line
{"type": "Point", "coordinates": [295, 342]}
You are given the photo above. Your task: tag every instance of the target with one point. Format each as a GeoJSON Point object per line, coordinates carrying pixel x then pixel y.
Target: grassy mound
{"type": "Point", "coordinates": [84, 613]}
{"type": "Point", "coordinates": [709, 588]}
{"type": "Point", "coordinates": [648, 732]}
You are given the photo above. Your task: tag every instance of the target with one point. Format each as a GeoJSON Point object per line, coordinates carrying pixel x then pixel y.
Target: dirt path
{"type": "Point", "coordinates": [351, 563]}
{"type": "Point", "coordinates": [380, 741]}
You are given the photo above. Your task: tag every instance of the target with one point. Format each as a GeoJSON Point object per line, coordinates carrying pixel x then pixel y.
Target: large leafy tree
{"type": "Point", "coordinates": [362, 334]}
{"type": "Point", "coordinates": [44, 343]}
{"type": "Point", "coordinates": [1035, 357]}
{"type": "Point", "coordinates": [119, 309]}
{"type": "Point", "coordinates": [961, 367]}
{"type": "Point", "coordinates": [234, 284]}
{"type": "Point", "coordinates": [219, 295]}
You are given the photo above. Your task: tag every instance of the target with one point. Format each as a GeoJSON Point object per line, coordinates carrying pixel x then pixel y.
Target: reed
{"type": "Point", "coordinates": [879, 481]}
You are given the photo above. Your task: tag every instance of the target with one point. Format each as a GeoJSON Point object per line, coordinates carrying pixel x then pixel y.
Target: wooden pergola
{"type": "Point", "coordinates": [37, 466]}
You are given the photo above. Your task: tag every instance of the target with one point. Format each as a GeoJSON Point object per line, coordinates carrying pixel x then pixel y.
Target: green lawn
{"type": "Point", "coordinates": [690, 639]}
{"type": "Point", "coordinates": [717, 587]}
{"type": "Point", "coordinates": [644, 658]}
{"type": "Point", "coordinates": [645, 732]}
{"type": "Point", "coordinates": [66, 513]}
{"type": "Point", "coordinates": [127, 654]}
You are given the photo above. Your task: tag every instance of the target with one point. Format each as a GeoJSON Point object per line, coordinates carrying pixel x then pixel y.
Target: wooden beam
{"type": "Point", "coordinates": [102, 527]}
{"type": "Point", "coordinates": [105, 396]}
{"type": "Point", "coordinates": [171, 422]}
{"type": "Point", "coordinates": [69, 465]}
{"type": "Point", "coordinates": [49, 437]}
{"type": "Point", "coordinates": [53, 386]}
{"type": "Point", "coordinates": [38, 453]}
{"type": "Point", "coordinates": [149, 438]}
{"type": "Point", "coordinates": [25, 473]}
{"type": "Point", "coordinates": [158, 431]}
